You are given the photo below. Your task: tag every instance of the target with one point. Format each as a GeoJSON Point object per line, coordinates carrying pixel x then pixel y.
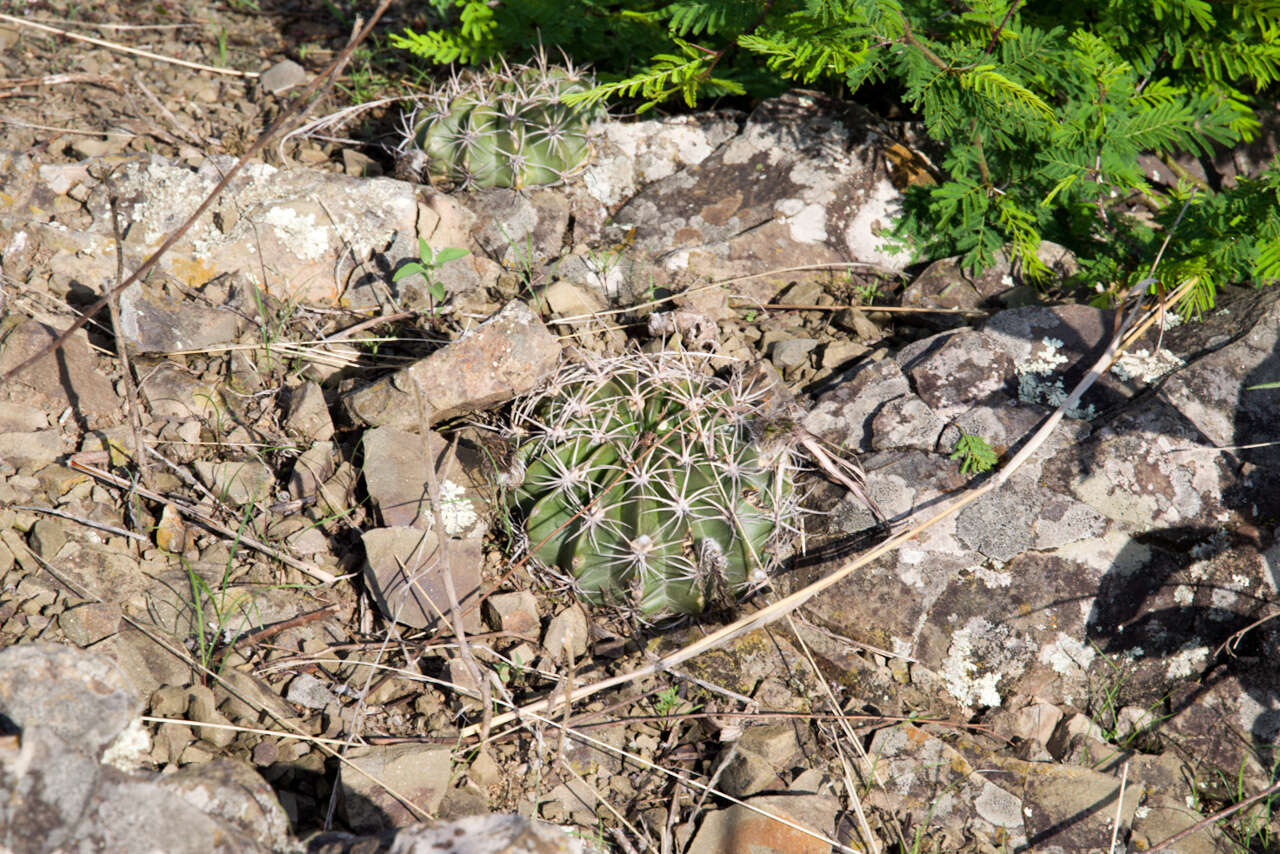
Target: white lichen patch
{"type": "Point", "coordinates": [806, 222]}
{"type": "Point", "coordinates": [456, 511]}
{"type": "Point", "coordinates": [298, 232]}
{"type": "Point", "coordinates": [994, 578]}
{"type": "Point", "coordinates": [1187, 660]}
{"type": "Point", "coordinates": [973, 667]}
{"type": "Point", "coordinates": [1066, 655]}
{"type": "Point", "coordinates": [1036, 383]}
{"type": "Point", "coordinates": [1145, 367]}
{"type": "Point", "coordinates": [1183, 595]}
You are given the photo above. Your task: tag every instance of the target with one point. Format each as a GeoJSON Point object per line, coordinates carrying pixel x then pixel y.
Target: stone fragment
{"type": "Point", "coordinates": [739, 829]}
{"type": "Point", "coordinates": [230, 790]}
{"type": "Point", "coordinates": [83, 699]}
{"type": "Point", "coordinates": [573, 802]}
{"type": "Point", "coordinates": [477, 834]}
{"type": "Point", "coordinates": [483, 770]}
{"type": "Point", "coordinates": [417, 772]}
{"type": "Point", "coordinates": [514, 614]}
{"type": "Point", "coordinates": [237, 483]}
{"type": "Point", "coordinates": [396, 477]}
{"type": "Point", "coordinates": [307, 414]}
{"type": "Point", "coordinates": [172, 392]}
{"type": "Point", "coordinates": [1036, 722]}
{"type": "Point", "coordinates": [309, 692]}
{"type": "Point", "coordinates": [360, 165]}
{"type": "Point", "coordinates": [153, 321]}
{"type": "Point", "coordinates": [758, 757]}
{"type": "Point", "coordinates": [313, 467]}
{"type": "Point", "coordinates": [90, 622]}
{"type": "Point", "coordinates": [69, 377]}
{"type": "Point", "coordinates": [508, 354]}
{"type": "Point", "coordinates": [566, 634]}
{"type": "Point", "coordinates": [282, 76]}
{"type": "Point", "coordinates": [792, 352]}
{"type": "Point", "coordinates": [782, 193]}
{"type": "Point", "coordinates": [203, 709]}
{"type": "Point", "coordinates": [407, 582]}
{"type": "Point", "coordinates": [20, 418]}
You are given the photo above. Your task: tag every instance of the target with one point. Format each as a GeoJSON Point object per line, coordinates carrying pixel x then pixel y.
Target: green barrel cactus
{"type": "Point", "coordinates": [504, 127]}
{"type": "Point", "coordinates": [639, 478]}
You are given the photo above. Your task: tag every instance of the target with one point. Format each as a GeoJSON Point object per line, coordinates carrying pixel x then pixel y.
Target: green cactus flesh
{"type": "Point", "coordinates": [505, 128]}
{"type": "Point", "coordinates": [641, 481]}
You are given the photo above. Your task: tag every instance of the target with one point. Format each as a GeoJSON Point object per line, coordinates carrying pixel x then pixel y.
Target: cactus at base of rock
{"type": "Point", "coordinates": [639, 477]}
{"type": "Point", "coordinates": [504, 127]}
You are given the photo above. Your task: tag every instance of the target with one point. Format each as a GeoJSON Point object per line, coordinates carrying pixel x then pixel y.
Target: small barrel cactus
{"type": "Point", "coordinates": [505, 127]}
{"type": "Point", "coordinates": [640, 478]}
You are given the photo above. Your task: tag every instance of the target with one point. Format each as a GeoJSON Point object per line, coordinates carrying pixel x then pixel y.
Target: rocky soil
{"type": "Point", "coordinates": [228, 613]}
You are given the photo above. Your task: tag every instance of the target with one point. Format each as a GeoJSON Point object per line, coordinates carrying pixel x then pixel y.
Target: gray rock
{"type": "Point", "coordinates": [802, 183]}
{"type": "Point", "coordinates": [69, 706]}
{"type": "Point", "coordinates": [479, 834]}
{"type": "Point", "coordinates": [360, 165]}
{"type": "Point", "coordinates": [566, 634]}
{"type": "Point", "coordinates": [171, 392]}
{"type": "Point", "coordinates": [282, 76]}
{"type": "Point", "coordinates": [508, 354]}
{"type": "Point", "coordinates": [395, 475]}
{"type": "Point", "coordinates": [307, 414]}
{"type": "Point", "coordinates": [156, 322]}
{"type": "Point", "coordinates": [83, 699]}
{"type": "Point", "coordinates": [230, 790]}
{"type": "Point", "coordinates": [407, 582]}
{"type": "Point", "coordinates": [237, 483]}
{"type": "Point", "coordinates": [68, 378]}
{"type": "Point", "coordinates": [513, 613]}
{"type": "Point", "coordinates": [312, 468]}
{"type": "Point", "coordinates": [792, 352]}
{"type": "Point", "coordinates": [414, 771]}
{"type": "Point", "coordinates": [20, 418]}
{"type": "Point", "coordinates": [309, 692]}
{"type": "Point", "coordinates": [203, 709]}
{"type": "Point", "coordinates": [90, 622]}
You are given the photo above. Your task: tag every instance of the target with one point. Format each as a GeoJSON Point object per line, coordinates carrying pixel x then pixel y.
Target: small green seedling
{"type": "Point", "coordinates": [429, 260]}
{"type": "Point", "coordinates": [975, 454]}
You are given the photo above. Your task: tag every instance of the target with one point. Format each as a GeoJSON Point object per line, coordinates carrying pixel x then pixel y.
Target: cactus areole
{"type": "Point", "coordinates": [642, 482]}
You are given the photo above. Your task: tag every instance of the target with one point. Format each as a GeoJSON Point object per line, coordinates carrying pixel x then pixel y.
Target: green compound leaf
{"type": "Point", "coordinates": [975, 454]}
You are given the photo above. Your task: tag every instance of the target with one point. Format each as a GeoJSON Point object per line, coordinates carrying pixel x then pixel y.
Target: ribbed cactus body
{"type": "Point", "coordinates": [504, 128]}
{"type": "Point", "coordinates": [641, 481]}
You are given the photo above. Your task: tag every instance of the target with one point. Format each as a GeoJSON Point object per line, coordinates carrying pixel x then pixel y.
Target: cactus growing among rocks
{"type": "Point", "coordinates": [504, 127]}
{"type": "Point", "coordinates": [640, 477]}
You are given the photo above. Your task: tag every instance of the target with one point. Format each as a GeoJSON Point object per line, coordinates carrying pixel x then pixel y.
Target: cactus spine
{"type": "Point", "coordinates": [641, 480]}
{"type": "Point", "coordinates": [504, 127]}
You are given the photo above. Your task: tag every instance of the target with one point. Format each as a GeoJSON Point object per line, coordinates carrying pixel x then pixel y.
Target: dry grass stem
{"type": "Point", "coordinates": [146, 54]}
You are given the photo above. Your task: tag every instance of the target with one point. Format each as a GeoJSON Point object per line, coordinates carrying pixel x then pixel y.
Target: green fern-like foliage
{"type": "Point", "coordinates": [1042, 108]}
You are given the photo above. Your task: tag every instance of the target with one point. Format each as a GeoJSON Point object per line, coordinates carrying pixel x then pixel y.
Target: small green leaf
{"type": "Point", "coordinates": [444, 256]}
{"type": "Point", "coordinates": [413, 268]}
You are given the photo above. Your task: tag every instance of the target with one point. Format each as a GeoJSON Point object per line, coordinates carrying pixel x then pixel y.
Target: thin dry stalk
{"type": "Point", "coordinates": [870, 838]}
{"type": "Point", "coordinates": [1115, 823]}
{"type": "Point", "coordinates": [442, 543]}
{"type": "Point", "coordinates": [213, 525]}
{"type": "Point", "coordinates": [126, 49]}
{"type": "Point", "coordinates": [1274, 788]}
{"type": "Point", "coordinates": [297, 107]}
{"type": "Point", "coordinates": [132, 399]}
